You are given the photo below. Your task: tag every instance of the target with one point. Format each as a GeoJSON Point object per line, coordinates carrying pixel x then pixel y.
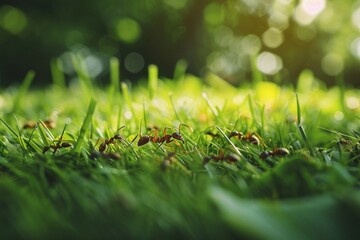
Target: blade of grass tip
{"type": "Point", "coordinates": [144, 115]}
{"type": "Point", "coordinates": [85, 126]}
{"type": "Point", "coordinates": [115, 75]}
{"type": "Point", "coordinates": [127, 96]}
{"type": "Point", "coordinates": [10, 128]}
{"type": "Point", "coordinates": [298, 110]}
{"type": "Point", "coordinates": [47, 131]}
{"type": "Point", "coordinates": [262, 119]}
{"type": "Point", "coordinates": [338, 133]}
{"type": "Point", "coordinates": [340, 82]}
{"type": "Point", "coordinates": [63, 132]}
{"type": "Point", "coordinates": [153, 80]}
{"type": "Point", "coordinates": [256, 74]}
{"type": "Point", "coordinates": [22, 90]}
{"type": "Point", "coordinates": [61, 137]}
{"type": "Point", "coordinates": [82, 73]}
{"type": "Point", "coordinates": [43, 134]}
{"type": "Point", "coordinates": [57, 75]}
{"type": "Point", "coordinates": [301, 128]}
{"type": "Point", "coordinates": [114, 89]}
{"type": "Point", "coordinates": [356, 134]}
{"type": "Point", "coordinates": [173, 106]}
{"type": "Point", "coordinates": [251, 107]}
{"type": "Point", "coordinates": [118, 117]}
{"type": "Point", "coordinates": [280, 135]}
{"type": "Point", "coordinates": [20, 139]}
{"type": "Point", "coordinates": [211, 107]}
{"type": "Point", "coordinates": [34, 146]}
{"type": "Point", "coordinates": [180, 69]}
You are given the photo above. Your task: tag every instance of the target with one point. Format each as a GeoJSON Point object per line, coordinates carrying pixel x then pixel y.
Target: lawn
{"type": "Point", "coordinates": [182, 158]}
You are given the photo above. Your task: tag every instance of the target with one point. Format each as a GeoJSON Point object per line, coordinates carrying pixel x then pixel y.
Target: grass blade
{"type": "Point", "coordinates": [85, 126]}
{"type": "Point", "coordinates": [82, 73]}
{"type": "Point", "coordinates": [127, 96]}
{"type": "Point", "coordinates": [256, 74]}
{"type": "Point", "coordinates": [20, 139]}
{"type": "Point", "coordinates": [153, 80]}
{"type": "Point", "coordinates": [180, 70]}
{"type": "Point", "coordinates": [115, 75]}
{"type": "Point", "coordinates": [10, 128]}
{"type": "Point", "coordinates": [57, 75]}
{"type": "Point", "coordinates": [114, 89]}
{"type": "Point", "coordinates": [173, 105]}
{"type": "Point", "coordinates": [252, 111]}
{"type": "Point", "coordinates": [298, 110]}
{"type": "Point", "coordinates": [47, 131]}
{"type": "Point", "coordinates": [301, 128]}
{"type": "Point", "coordinates": [229, 141]}
{"type": "Point", "coordinates": [211, 107]}
{"type": "Point", "coordinates": [42, 133]}
{"type": "Point", "coordinates": [23, 89]}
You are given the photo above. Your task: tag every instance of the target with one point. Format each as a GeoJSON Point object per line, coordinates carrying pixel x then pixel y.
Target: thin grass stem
{"type": "Point", "coordinates": [85, 125]}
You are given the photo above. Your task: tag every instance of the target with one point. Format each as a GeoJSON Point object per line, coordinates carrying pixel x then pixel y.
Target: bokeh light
{"type": "Point", "coordinates": [338, 115]}
{"type": "Point", "coordinates": [356, 18]}
{"type": "Point", "coordinates": [214, 14]}
{"type": "Point", "coordinates": [224, 36]}
{"type": "Point", "coordinates": [134, 62]}
{"type": "Point", "coordinates": [12, 19]}
{"type": "Point", "coordinates": [269, 63]}
{"type": "Point", "coordinates": [272, 38]}
{"type": "Point", "coordinates": [352, 103]}
{"type": "Point", "coordinates": [278, 20]}
{"type": "Point", "coordinates": [128, 30]}
{"type": "Point", "coordinates": [355, 47]}
{"type": "Point", "coordinates": [94, 66]}
{"type": "Point", "coordinates": [313, 7]}
{"type": "Point", "coordinates": [177, 4]}
{"type": "Point", "coordinates": [307, 11]}
{"type": "Point", "coordinates": [251, 44]}
{"type": "Point", "coordinates": [332, 64]}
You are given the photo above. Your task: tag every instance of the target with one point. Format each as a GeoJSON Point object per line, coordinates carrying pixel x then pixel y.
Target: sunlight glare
{"type": "Point", "coordinates": [306, 12]}
{"type": "Point", "coordinates": [313, 7]}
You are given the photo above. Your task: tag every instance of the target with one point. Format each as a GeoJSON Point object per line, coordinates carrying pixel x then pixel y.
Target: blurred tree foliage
{"type": "Point", "coordinates": [232, 38]}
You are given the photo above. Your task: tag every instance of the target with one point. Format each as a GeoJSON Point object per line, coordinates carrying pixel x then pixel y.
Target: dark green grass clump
{"type": "Point", "coordinates": [181, 159]}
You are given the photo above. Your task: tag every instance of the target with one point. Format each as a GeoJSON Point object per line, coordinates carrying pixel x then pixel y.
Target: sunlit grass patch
{"type": "Point", "coordinates": [175, 157]}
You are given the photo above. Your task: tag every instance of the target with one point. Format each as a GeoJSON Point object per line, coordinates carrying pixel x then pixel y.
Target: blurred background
{"type": "Point", "coordinates": [230, 38]}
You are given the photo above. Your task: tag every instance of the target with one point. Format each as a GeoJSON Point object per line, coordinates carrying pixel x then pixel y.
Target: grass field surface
{"type": "Point", "coordinates": [183, 158]}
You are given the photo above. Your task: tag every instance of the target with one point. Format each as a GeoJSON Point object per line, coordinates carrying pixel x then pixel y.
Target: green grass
{"type": "Point", "coordinates": [165, 189]}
